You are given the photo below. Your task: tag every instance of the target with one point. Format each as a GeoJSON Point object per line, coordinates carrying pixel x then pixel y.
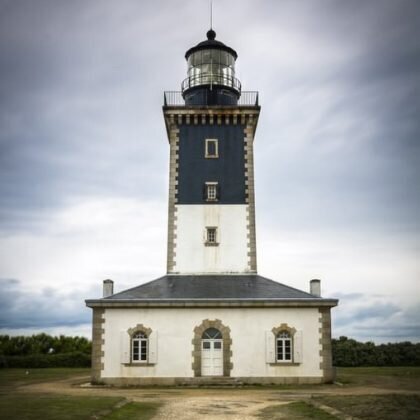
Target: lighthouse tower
{"type": "Point", "coordinates": [211, 128]}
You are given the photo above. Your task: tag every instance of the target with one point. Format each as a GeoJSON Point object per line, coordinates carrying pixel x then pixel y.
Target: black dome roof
{"type": "Point", "coordinates": [211, 43]}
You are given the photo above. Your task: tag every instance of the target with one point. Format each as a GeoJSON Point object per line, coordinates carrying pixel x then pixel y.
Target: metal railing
{"type": "Point", "coordinates": [174, 98]}
{"type": "Point", "coordinates": [248, 98]}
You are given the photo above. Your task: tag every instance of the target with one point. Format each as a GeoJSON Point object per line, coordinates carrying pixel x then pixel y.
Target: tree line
{"type": "Point", "coordinates": [42, 344]}
{"type": "Point", "coordinates": [349, 352]}
{"type": "Point", "coordinates": [43, 350]}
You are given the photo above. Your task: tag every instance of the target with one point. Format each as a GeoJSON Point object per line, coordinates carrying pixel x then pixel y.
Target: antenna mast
{"type": "Point", "coordinates": [211, 60]}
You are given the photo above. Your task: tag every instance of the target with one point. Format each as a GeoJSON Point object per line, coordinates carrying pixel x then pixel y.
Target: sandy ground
{"type": "Point", "coordinates": [204, 404]}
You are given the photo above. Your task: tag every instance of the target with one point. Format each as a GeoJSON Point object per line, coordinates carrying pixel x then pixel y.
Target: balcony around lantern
{"type": "Point", "coordinates": [176, 99]}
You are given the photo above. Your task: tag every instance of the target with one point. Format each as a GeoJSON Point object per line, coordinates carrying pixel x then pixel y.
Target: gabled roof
{"type": "Point", "coordinates": [212, 290]}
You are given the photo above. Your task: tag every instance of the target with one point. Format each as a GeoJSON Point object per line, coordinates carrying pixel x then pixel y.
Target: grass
{"type": "Point", "coordinates": [25, 406]}
{"type": "Point", "coordinates": [294, 411]}
{"type": "Point", "coordinates": [62, 407]}
{"type": "Point", "coordinates": [13, 378]}
{"type": "Point", "coordinates": [376, 407]}
{"type": "Point", "coordinates": [134, 411]}
{"type": "Point", "coordinates": [411, 371]}
{"type": "Point", "coordinates": [403, 378]}
{"type": "Point", "coordinates": [53, 407]}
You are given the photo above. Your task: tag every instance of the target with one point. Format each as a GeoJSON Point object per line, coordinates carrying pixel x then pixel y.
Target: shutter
{"type": "Point", "coordinates": [269, 347]}
{"type": "Point", "coordinates": [125, 342]}
{"type": "Point", "coordinates": [153, 344]}
{"type": "Point", "coordinates": [218, 189]}
{"type": "Point", "coordinates": [298, 347]}
{"type": "Point", "coordinates": [205, 192]}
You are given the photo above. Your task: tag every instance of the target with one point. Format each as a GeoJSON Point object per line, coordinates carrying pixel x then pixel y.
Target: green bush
{"type": "Point", "coordinates": [42, 344]}
{"type": "Point", "coordinates": [348, 352]}
{"type": "Point", "coordinates": [74, 359]}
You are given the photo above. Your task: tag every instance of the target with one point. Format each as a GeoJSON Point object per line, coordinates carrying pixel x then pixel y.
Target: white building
{"type": "Point", "coordinates": [211, 317]}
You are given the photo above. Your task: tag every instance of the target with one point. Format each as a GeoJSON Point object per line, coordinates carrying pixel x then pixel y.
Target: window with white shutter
{"type": "Point", "coordinates": [283, 345]}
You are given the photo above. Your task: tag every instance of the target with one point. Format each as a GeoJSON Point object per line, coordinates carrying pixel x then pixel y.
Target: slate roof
{"type": "Point", "coordinates": [218, 288]}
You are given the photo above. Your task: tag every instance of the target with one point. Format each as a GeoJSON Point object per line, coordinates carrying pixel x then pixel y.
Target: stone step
{"type": "Point", "coordinates": [211, 381]}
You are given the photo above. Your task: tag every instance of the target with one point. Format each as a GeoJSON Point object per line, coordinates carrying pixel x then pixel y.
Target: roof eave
{"type": "Point", "coordinates": [183, 303]}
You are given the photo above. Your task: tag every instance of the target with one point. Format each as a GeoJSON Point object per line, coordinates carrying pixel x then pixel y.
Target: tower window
{"type": "Point", "coordinates": [212, 148]}
{"type": "Point", "coordinates": [211, 236]}
{"type": "Point", "coordinates": [211, 191]}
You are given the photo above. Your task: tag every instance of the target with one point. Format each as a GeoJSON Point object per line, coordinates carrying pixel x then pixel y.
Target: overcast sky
{"type": "Point", "coordinates": [84, 155]}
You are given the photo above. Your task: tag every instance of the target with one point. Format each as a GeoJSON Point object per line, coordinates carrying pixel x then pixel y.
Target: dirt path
{"type": "Point", "coordinates": [229, 407]}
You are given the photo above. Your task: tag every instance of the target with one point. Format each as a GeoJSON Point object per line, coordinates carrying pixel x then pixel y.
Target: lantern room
{"type": "Point", "coordinates": [211, 74]}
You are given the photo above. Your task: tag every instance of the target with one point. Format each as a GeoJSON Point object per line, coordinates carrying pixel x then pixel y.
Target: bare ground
{"type": "Point", "coordinates": [208, 404]}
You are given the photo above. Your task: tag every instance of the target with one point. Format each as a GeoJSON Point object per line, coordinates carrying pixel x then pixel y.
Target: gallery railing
{"type": "Point", "coordinates": [175, 98]}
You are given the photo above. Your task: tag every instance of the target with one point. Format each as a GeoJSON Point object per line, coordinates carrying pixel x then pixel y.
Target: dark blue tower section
{"type": "Point", "coordinates": [227, 170]}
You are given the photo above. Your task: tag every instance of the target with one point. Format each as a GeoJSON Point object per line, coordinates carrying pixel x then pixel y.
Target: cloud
{"type": "Point", "coordinates": [375, 318]}
{"type": "Point", "coordinates": [70, 111]}
{"type": "Point", "coordinates": [88, 241]}
{"type": "Point", "coordinates": [43, 309]}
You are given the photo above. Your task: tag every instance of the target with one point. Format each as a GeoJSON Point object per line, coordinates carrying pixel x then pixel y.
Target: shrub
{"type": "Point", "coordinates": [352, 353]}
{"type": "Point", "coordinates": [74, 359]}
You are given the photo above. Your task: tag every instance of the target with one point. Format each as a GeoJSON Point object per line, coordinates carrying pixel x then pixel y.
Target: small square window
{"type": "Point", "coordinates": [211, 191]}
{"type": "Point", "coordinates": [212, 148]}
{"type": "Point", "coordinates": [211, 236]}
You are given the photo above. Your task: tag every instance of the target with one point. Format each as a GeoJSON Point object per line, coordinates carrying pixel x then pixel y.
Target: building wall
{"type": "Point", "coordinates": [175, 338]}
{"type": "Point", "coordinates": [232, 252]}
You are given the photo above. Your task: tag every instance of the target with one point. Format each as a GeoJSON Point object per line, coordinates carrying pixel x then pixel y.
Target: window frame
{"type": "Point", "coordinates": [283, 338]}
{"type": "Point", "coordinates": [214, 241]}
{"type": "Point", "coordinates": [212, 192]}
{"type": "Point", "coordinates": [139, 338]}
{"type": "Point", "coordinates": [207, 153]}
{"type": "Point", "coordinates": [211, 333]}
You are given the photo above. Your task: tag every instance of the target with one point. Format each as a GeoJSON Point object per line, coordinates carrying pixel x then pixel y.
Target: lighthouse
{"type": "Point", "coordinates": [211, 318]}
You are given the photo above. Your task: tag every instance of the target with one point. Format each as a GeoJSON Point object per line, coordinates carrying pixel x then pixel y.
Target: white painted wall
{"type": "Point", "coordinates": [175, 331]}
{"type": "Point", "coordinates": [231, 255]}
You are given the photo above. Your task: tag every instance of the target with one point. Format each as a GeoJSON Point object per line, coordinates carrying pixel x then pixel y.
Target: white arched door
{"type": "Point", "coordinates": [212, 353]}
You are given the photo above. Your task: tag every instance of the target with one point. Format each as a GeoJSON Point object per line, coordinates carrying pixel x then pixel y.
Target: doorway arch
{"type": "Point", "coordinates": [219, 333]}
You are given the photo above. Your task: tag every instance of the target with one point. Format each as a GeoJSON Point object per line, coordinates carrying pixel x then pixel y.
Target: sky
{"type": "Point", "coordinates": [84, 156]}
